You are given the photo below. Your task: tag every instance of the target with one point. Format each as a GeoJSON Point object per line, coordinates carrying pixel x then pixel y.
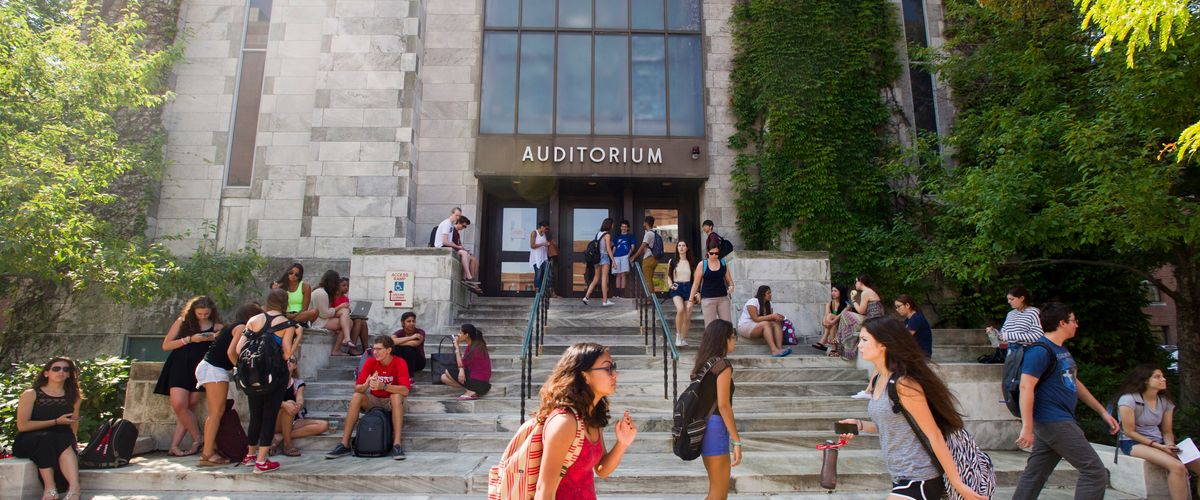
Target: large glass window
{"type": "Point", "coordinates": [244, 130]}
{"type": "Point", "coordinates": [602, 67]}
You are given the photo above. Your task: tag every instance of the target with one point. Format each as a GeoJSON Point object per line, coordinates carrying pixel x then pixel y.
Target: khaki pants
{"type": "Point", "coordinates": [715, 308]}
{"type": "Point", "coordinates": [649, 264]}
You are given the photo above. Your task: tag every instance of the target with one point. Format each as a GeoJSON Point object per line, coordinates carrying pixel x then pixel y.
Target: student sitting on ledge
{"type": "Point", "coordinates": [47, 420]}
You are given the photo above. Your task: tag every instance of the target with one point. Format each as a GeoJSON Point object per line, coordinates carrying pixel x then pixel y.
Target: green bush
{"type": "Point", "coordinates": [102, 381]}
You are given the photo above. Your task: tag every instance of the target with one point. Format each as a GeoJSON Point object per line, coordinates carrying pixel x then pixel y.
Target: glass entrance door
{"type": "Point", "coordinates": [581, 221]}
{"type": "Point", "coordinates": [509, 272]}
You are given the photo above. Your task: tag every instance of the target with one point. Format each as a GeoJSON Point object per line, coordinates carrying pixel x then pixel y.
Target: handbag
{"type": "Point", "coordinates": [440, 362]}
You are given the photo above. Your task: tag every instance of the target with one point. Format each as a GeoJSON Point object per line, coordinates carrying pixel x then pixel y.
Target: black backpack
{"type": "Point", "coordinates": [232, 442]}
{"type": "Point", "coordinates": [691, 414]}
{"type": "Point", "coordinates": [260, 367]}
{"type": "Point", "coordinates": [111, 445]}
{"type": "Point", "coordinates": [373, 434]}
{"type": "Point", "coordinates": [724, 247]}
{"type": "Point", "coordinates": [591, 255]}
{"type": "Point", "coordinates": [432, 235]}
{"type": "Point", "coordinates": [1011, 383]}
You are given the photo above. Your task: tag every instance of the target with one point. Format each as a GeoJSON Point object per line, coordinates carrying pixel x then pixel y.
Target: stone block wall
{"type": "Point", "coordinates": [437, 292]}
{"type": "Point", "coordinates": [799, 284]}
{"type": "Point", "coordinates": [151, 413]}
{"type": "Point", "coordinates": [717, 198]}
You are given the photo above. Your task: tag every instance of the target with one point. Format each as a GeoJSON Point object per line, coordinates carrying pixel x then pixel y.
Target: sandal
{"type": "Point", "coordinates": [818, 346]}
{"type": "Point", "coordinates": [71, 495]}
{"type": "Point", "coordinates": [176, 452]}
{"type": "Point", "coordinates": [292, 451]}
{"type": "Point", "coordinates": [50, 495]}
{"type": "Point", "coordinates": [468, 397]}
{"type": "Point", "coordinates": [213, 460]}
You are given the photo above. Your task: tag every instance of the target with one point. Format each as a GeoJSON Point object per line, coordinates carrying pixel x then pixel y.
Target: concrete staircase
{"type": "Point", "coordinates": [784, 407]}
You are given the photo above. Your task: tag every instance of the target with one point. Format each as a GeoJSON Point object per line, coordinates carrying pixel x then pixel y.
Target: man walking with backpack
{"type": "Point", "coordinates": [1049, 394]}
{"type": "Point", "coordinates": [382, 383]}
{"type": "Point", "coordinates": [650, 251]}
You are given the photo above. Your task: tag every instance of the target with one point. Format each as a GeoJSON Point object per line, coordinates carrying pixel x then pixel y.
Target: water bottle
{"type": "Point", "coordinates": [829, 455]}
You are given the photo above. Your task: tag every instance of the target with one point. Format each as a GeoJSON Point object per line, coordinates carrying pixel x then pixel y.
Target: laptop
{"type": "Point", "coordinates": [359, 309]}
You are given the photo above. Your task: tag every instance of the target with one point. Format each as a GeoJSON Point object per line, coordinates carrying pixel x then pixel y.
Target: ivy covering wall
{"type": "Point", "coordinates": [810, 83]}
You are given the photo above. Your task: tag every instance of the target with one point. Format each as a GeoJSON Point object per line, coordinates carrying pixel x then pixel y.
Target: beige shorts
{"type": "Point", "coordinates": [374, 401]}
{"type": "Point", "coordinates": [745, 329]}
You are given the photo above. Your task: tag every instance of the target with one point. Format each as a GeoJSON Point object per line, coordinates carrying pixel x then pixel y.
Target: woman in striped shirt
{"type": "Point", "coordinates": [1023, 325]}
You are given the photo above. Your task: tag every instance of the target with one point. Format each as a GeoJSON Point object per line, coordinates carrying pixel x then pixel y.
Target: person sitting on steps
{"type": "Point", "coordinates": [47, 424]}
{"type": "Point", "coordinates": [382, 383]}
{"type": "Point", "coordinates": [291, 424]}
{"type": "Point", "coordinates": [409, 343]}
{"type": "Point", "coordinates": [758, 320]}
{"type": "Point", "coordinates": [474, 372]}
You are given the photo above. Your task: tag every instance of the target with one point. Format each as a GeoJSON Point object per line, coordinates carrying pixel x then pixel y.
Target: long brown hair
{"type": "Point", "coordinates": [687, 255]}
{"type": "Point", "coordinates": [904, 358]}
{"type": "Point", "coordinates": [70, 386]}
{"type": "Point", "coordinates": [715, 343]}
{"type": "Point", "coordinates": [566, 386]}
{"type": "Point", "coordinates": [1137, 380]}
{"type": "Point", "coordinates": [191, 324]}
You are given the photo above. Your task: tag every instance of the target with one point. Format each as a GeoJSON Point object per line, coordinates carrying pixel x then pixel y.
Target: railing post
{"type": "Point", "coordinates": [675, 381]}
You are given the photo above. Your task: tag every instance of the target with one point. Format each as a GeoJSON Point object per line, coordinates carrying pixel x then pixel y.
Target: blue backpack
{"type": "Point", "coordinates": [656, 249]}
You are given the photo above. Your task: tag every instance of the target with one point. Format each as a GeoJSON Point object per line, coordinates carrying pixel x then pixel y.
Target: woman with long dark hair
{"type": "Point", "coordinates": [331, 317]}
{"type": "Point", "coordinates": [1146, 412]}
{"type": "Point", "coordinates": [291, 423]}
{"type": "Point", "coordinates": [838, 301]}
{"type": "Point", "coordinates": [212, 374]}
{"type": "Point", "coordinates": [864, 305]}
{"type": "Point", "coordinates": [721, 430]}
{"type": "Point", "coordinates": [299, 294]}
{"type": "Point", "coordinates": [888, 345]}
{"type": "Point", "coordinates": [264, 408]}
{"type": "Point", "coordinates": [188, 341]}
{"type": "Point", "coordinates": [474, 373]}
{"type": "Point", "coordinates": [578, 390]}
{"type": "Point", "coordinates": [758, 320]}
{"type": "Point", "coordinates": [409, 343]}
{"type": "Point", "coordinates": [679, 271]}
{"type": "Point", "coordinates": [47, 423]}
{"type": "Point", "coordinates": [604, 236]}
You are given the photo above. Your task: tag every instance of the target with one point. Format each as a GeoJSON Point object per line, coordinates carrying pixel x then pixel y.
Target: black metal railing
{"type": "Point", "coordinates": [651, 321]}
{"type": "Point", "coordinates": [535, 332]}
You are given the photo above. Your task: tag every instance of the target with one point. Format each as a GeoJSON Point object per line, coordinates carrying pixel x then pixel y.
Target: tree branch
{"type": "Point", "coordinates": [1170, 292]}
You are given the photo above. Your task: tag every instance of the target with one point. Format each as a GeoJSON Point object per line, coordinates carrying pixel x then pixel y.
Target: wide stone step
{"type": "Point", "coordinates": [649, 475]}
{"type": "Point", "coordinates": [1049, 493]}
{"type": "Point", "coordinates": [513, 374]}
{"type": "Point", "coordinates": [801, 358]}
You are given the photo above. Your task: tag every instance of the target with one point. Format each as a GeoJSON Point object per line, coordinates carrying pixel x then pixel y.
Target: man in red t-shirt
{"type": "Point", "coordinates": [382, 383]}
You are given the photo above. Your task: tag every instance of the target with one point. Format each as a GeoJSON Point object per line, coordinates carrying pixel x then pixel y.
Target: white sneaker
{"type": "Point", "coordinates": [584, 300]}
{"type": "Point", "coordinates": [861, 395]}
{"type": "Point", "coordinates": [679, 342]}
{"type": "Point", "coordinates": [606, 303]}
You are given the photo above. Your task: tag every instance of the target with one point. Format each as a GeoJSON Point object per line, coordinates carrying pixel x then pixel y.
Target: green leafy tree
{"type": "Point", "coordinates": [1061, 157]}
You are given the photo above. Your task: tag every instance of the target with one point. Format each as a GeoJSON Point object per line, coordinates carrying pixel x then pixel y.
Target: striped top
{"type": "Point", "coordinates": [1022, 326]}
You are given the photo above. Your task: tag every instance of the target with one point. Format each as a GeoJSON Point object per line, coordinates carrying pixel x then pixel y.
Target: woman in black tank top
{"type": "Point", "coordinates": [187, 340]}
{"type": "Point", "coordinates": [47, 421]}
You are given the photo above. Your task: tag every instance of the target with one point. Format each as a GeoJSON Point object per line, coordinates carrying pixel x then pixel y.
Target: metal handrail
{"type": "Point", "coordinates": [535, 332]}
{"type": "Point", "coordinates": [649, 319]}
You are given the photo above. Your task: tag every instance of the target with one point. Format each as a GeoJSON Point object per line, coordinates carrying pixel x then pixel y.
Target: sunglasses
{"type": "Point", "coordinates": [611, 369]}
{"type": "Point", "coordinates": [293, 273]}
{"type": "Point", "coordinates": [292, 361]}
{"type": "Point", "coordinates": [714, 253]}
{"type": "Point", "coordinates": [57, 369]}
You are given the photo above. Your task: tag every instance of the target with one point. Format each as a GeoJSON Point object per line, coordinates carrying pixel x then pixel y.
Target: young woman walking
{"type": "Point", "coordinates": [604, 236]}
{"type": "Point", "coordinates": [187, 340]}
{"type": "Point", "coordinates": [1147, 416]}
{"type": "Point", "coordinates": [212, 374]}
{"type": "Point", "coordinates": [888, 345]}
{"type": "Point", "coordinates": [713, 284]}
{"type": "Point", "coordinates": [474, 373]}
{"type": "Point", "coordinates": [264, 408]}
{"type": "Point", "coordinates": [578, 389]}
{"type": "Point", "coordinates": [47, 422]}
{"type": "Point", "coordinates": [679, 271]}
{"type": "Point", "coordinates": [721, 430]}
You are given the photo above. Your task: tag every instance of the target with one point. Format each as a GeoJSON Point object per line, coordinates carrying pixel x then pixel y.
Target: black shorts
{"type": "Point", "coordinates": [929, 489]}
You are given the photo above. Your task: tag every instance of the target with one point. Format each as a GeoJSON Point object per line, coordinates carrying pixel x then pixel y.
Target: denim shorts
{"type": "Point", "coordinates": [716, 437]}
{"type": "Point", "coordinates": [1126, 446]}
{"type": "Point", "coordinates": [683, 290]}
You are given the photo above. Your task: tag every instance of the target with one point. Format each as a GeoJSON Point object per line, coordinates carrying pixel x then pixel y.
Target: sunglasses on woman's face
{"type": "Point", "coordinates": [610, 368]}
{"type": "Point", "coordinates": [293, 273]}
{"type": "Point", "coordinates": [714, 253]}
{"type": "Point", "coordinates": [57, 369]}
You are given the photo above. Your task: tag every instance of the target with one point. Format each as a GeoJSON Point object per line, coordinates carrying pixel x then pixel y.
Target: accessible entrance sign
{"type": "Point", "coordinates": [399, 289]}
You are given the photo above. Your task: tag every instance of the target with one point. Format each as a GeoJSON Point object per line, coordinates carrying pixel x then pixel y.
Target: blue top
{"type": "Point", "coordinates": [923, 333]}
{"type": "Point", "coordinates": [1055, 398]}
{"type": "Point", "coordinates": [622, 244]}
{"type": "Point", "coordinates": [713, 285]}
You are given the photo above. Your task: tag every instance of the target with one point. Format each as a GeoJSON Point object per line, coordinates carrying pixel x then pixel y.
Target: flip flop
{"type": "Point", "coordinates": [213, 461]}
{"type": "Point", "coordinates": [818, 346]}
{"type": "Point", "coordinates": [176, 452]}
{"type": "Point", "coordinates": [292, 452]}
{"type": "Point", "coordinates": [465, 397]}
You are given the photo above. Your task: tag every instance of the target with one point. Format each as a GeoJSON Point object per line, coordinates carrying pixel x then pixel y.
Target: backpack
{"type": "Point", "coordinates": [691, 415]}
{"type": "Point", "coordinates": [516, 477]}
{"type": "Point", "coordinates": [975, 467]}
{"type": "Point", "coordinates": [725, 247]}
{"type": "Point", "coordinates": [789, 332]}
{"type": "Point", "coordinates": [111, 445]}
{"type": "Point", "coordinates": [432, 236]}
{"type": "Point", "coordinates": [656, 249]}
{"type": "Point", "coordinates": [591, 255]}
{"type": "Point", "coordinates": [232, 442]}
{"type": "Point", "coordinates": [373, 434]}
{"type": "Point", "coordinates": [260, 367]}
{"type": "Point", "coordinates": [1011, 383]}
{"type": "Point", "coordinates": [1115, 410]}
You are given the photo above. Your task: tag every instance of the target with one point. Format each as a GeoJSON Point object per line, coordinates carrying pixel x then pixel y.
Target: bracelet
{"type": "Point", "coordinates": [186, 340]}
{"type": "Point", "coordinates": [735, 443]}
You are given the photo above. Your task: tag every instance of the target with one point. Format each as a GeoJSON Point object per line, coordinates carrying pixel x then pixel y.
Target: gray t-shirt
{"type": "Point", "coordinates": [648, 239]}
{"type": "Point", "coordinates": [903, 454]}
{"type": "Point", "coordinates": [1148, 419]}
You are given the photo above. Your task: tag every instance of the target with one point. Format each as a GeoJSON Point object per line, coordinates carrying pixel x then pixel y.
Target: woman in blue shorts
{"type": "Point", "coordinates": [1146, 413]}
{"type": "Point", "coordinates": [679, 271]}
{"type": "Point", "coordinates": [720, 435]}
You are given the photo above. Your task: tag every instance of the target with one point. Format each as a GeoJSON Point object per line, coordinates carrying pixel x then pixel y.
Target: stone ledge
{"type": "Point", "coordinates": [777, 254]}
{"type": "Point", "coordinates": [19, 479]}
{"type": "Point", "coordinates": [1133, 475]}
{"type": "Point", "coordinates": [414, 251]}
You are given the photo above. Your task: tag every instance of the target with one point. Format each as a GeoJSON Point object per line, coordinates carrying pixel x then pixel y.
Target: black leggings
{"type": "Point", "coordinates": [264, 409]}
{"type": "Point", "coordinates": [412, 357]}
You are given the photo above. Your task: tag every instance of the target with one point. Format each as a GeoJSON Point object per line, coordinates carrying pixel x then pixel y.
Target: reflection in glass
{"type": "Point", "coordinates": [585, 225]}
{"type": "Point", "coordinates": [649, 86]}
{"type": "Point", "coordinates": [516, 277]}
{"type": "Point", "coordinates": [515, 226]}
{"type": "Point", "coordinates": [612, 85]}
{"type": "Point", "coordinates": [574, 106]}
{"type": "Point", "coordinates": [647, 14]}
{"type": "Point", "coordinates": [501, 14]}
{"type": "Point", "coordinates": [687, 87]}
{"type": "Point", "coordinates": [537, 13]}
{"type": "Point", "coordinates": [537, 83]}
{"type": "Point", "coordinates": [245, 118]}
{"type": "Point", "coordinates": [575, 13]}
{"type": "Point", "coordinates": [497, 108]}
{"type": "Point", "coordinates": [612, 13]}
{"type": "Point", "coordinates": [683, 15]}
{"type": "Point", "coordinates": [259, 24]}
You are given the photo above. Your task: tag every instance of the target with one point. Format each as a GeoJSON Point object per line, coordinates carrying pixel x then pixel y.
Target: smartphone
{"type": "Point", "coordinates": [841, 428]}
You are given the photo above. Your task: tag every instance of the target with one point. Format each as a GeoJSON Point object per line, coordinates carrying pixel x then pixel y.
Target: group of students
{"type": "Point", "coordinates": [617, 255]}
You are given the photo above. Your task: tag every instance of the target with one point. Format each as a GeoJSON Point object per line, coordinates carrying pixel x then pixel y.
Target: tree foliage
{"type": "Point", "coordinates": [808, 95]}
